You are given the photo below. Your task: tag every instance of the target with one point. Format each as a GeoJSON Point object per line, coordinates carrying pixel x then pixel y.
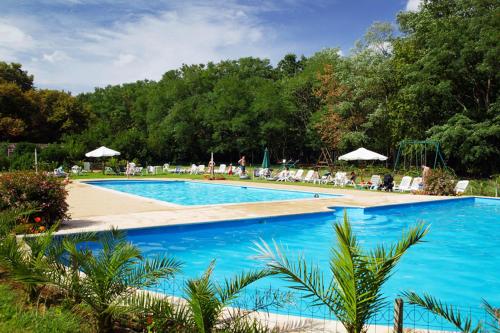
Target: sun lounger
{"type": "Point", "coordinates": [86, 167]}
{"type": "Point", "coordinates": [76, 170]}
{"type": "Point", "coordinates": [194, 169]}
{"type": "Point", "coordinates": [279, 175]}
{"type": "Point", "coordinates": [221, 170]}
{"type": "Point", "coordinates": [461, 186]}
{"type": "Point", "coordinates": [416, 184]}
{"type": "Point", "coordinates": [298, 175]}
{"type": "Point", "coordinates": [340, 179]}
{"type": "Point", "coordinates": [287, 176]}
{"type": "Point", "coordinates": [309, 176]}
{"type": "Point", "coordinates": [109, 171]}
{"type": "Point", "coordinates": [373, 183]}
{"type": "Point", "coordinates": [404, 185]}
{"type": "Point", "coordinates": [59, 172]}
{"type": "Point", "coordinates": [201, 169]}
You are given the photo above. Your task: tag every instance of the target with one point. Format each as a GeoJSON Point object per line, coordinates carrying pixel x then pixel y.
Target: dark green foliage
{"type": "Point", "coordinates": [42, 193]}
{"type": "Point", "coordinates": [437, 79]}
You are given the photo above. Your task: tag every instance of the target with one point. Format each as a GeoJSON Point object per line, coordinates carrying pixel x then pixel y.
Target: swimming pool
{"type": "Point", "coordinates": [459, 262]}
{"type": "Point", "coordinates": [200, 193]}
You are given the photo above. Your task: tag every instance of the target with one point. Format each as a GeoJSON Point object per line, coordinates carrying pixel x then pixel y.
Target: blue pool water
{"type": "Point", "coordinates": [459, 262]}
{"type": "Point", "coordinates": [197, 193]}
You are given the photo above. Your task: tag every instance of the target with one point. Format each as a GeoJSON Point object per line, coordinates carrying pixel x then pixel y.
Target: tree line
{"type": "Point", "coordinates": [434, 77]}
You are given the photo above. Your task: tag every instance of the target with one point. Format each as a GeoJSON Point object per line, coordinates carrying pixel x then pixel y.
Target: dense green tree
{"type": "Point", "coordinates": [436, 78]}
{"type": "Point", "coordinates": [13, 73]}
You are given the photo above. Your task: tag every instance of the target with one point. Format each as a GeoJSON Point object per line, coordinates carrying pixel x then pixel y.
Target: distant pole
{"type": "Point", "coordinates": [398, 315]}
{"type": "Point", "coordinates": [36, 162]}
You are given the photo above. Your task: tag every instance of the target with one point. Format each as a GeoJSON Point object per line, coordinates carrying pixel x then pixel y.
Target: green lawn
{"type": "Point", "coordinates": [16, 317]}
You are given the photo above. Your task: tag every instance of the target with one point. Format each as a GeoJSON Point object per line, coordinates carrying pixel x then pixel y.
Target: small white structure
{"type": "Point", "coordinates": [102, 152]}
{"type": "Point", "coordinates": [362, 154]}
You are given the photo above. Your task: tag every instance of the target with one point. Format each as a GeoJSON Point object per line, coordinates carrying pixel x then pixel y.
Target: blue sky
{"type": "Point", "coordinates": [77, 45]}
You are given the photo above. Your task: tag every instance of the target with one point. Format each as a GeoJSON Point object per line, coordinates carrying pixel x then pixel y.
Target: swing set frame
{"type": "Point", "coordinates": [438, 157]}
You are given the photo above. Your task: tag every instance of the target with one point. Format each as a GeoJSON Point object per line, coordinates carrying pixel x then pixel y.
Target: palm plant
{"type": "Point", "coordinates": [114, 273]}
{"type": "Point", "coordinates": [25, 261]}
{"type": "Point", "coordinates": [41, 261]}
{"type": "Point", "coordinates": [354, 293]}
{"type": "Point", "coordinates": [452, 315]}
{"type": "Point", "coordinates": [205, 306]}
{"type": "Point", "coordinates": [9, 218]}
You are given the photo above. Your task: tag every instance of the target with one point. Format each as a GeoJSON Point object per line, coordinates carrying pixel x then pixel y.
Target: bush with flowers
{"type": "Point", "coordinates": [43, 194]}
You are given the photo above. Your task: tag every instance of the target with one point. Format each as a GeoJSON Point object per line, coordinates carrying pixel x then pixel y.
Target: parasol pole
{"type": "Point", "coordinates": [36, 161]}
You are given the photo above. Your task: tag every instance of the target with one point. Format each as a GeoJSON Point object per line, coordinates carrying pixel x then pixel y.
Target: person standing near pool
{"type": "Point", "coordinates": [242, 162]}
{"type": "Point", "coordinates": [425, 173]}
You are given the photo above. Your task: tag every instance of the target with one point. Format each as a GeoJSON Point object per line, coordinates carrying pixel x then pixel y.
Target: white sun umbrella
{"type": "Point", "coordinates": [362, 154]}
{"type": "Point", "coordinates": [102, 152]}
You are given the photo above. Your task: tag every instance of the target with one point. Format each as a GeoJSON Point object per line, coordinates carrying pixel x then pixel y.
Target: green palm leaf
{"type": "Point", "coordinates": [446, 311]}
{"type": "Point", "coordinates": [353, 294]}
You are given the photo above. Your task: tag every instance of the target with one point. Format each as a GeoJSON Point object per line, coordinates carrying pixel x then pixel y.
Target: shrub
{"type": "Point", "coordinates": [53, 153]}
{"type": "Point", "coordinates": [28, 190]}
{"type": "Point", "coordinates": [440, 182]}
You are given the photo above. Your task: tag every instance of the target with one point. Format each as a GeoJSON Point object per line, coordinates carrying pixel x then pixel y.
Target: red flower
{"type": "Point", "coordinates": [38, 219]}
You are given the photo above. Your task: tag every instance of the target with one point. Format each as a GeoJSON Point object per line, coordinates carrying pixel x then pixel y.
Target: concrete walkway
{"type": "Point", "coordinates": [94, 208]}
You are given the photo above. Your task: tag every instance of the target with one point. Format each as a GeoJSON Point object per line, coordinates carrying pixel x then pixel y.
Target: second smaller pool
{"type": "Point", "coordinates": [198, 193]}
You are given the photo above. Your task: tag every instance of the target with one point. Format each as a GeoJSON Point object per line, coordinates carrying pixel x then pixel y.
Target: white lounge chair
{"type": "Point", "coordinates": [86, 167]}
{"type": "Point", "coordinates": [194, 169]}
{"type": "Point", "coordinates": [177, 169]}
{"type": "Point", "coordinates": [298, 175]}
{"type": "Point", "coordinates": [404, 185]}
{"type": "Point", "coordinates": [340, 179]}
{"type": "Point", "coordinates": [276, 176]}
{"type": "Point", "coordinates": [461, 186]}
{"type": "Point", "coordinates": [287, 176]}
{"type": "Point", "coordinates": [325, 179]}
{"type": "Point", "coordinates": [264, 173]}
{"type": "Point", "coordinates": [109, 171]}
{"type": "Point", "coordinates": [309, 176]}
{"type": "Point", "coordinates": [374, 182]}
{"type": "Point", "coordinates": [416, 184]}
{"type": "Point", "coordinates": [59, 172]}
{"type": "Point", "coordinates": [166, 168]}
{"type": "Point", "coordinates": [76, 170]}
{"type": "Point", "coordinates": [221, 170]}
{"type": "Point", "coordinates": [201, 169]}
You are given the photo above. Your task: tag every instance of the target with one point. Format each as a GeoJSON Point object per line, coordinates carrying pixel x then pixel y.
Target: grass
{"type": "Point", "coordinates": [482, 187]}
{"type": "Point", "coordinates": [17, 317]}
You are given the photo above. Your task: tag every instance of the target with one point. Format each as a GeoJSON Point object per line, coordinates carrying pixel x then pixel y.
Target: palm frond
{"type": "Point", "coordinates": [494, 314]}
{"type": "Point", "coordinates": [304, 277]}
{"type": "Point", "coordinates": [232, 287]}
{"type": "Point", "coordinates": [147, 272]}
{"type": "Point", "coordinates": [446, 311]}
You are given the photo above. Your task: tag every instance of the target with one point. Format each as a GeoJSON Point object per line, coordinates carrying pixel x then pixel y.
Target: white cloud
{"type": "Point", "coordinates": [124, 59]}
{"type": "Point", "coordinates": [12, 41]}
{"type": "Point", "coordinates": [413, 5]}
{"type": "Point", "coordinates": [56, 56]}
{"type": "Point", "coordinates": [84, 55]}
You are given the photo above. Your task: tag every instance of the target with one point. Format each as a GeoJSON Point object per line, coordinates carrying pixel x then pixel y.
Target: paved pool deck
{"type": "Point", "coordinates": [93, 208]}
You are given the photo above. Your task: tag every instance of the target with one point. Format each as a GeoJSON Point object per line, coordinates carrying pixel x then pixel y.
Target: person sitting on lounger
{"type": "Point", "coordinates": [388, 183]}
{"type": "Point", "coordinates": [352, 179]}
